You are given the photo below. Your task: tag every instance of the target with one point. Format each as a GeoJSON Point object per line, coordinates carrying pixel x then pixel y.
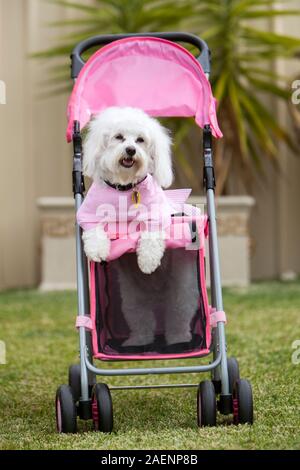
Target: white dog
{"type": "Point", "coordinates": [123, 147]}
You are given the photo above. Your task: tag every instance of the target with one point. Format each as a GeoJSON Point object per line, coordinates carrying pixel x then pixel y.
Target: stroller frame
{"type": "Point", "coordinates": [219, 367]}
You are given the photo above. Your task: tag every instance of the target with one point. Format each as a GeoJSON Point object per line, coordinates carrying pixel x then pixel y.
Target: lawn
{"type": "Point", "coordinates": [263, 322]}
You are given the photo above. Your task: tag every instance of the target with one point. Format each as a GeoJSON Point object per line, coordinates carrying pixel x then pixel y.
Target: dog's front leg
{"type": "Point", "coordinates": [150, 250]}
{"type": "Point", "coordinates": [96, 244]}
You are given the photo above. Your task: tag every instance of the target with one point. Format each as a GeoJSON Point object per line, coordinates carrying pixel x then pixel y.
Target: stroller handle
{"type": "Point", "coordinates": [101, 40]}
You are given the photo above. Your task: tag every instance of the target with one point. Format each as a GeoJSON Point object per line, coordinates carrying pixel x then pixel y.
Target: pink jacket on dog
{"type": "Point", "coordinates": [123, 220]}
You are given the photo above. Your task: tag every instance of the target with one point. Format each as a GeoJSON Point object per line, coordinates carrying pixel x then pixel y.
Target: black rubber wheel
{"type": "Point", "coordinates": [75, 381]}
{"type": "Point", "coordinates": [102, 408]}
{"type": "Point", "coordinates": [233, 372]}
{"type": "Point", "coordinates": [242, 401]}
{"type": "Point", "coordinates": [66, 414]}
{"type": "Point", "coordinates": [206, 404]}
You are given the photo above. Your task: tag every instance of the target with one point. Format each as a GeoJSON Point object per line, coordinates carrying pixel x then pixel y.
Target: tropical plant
{"type": "Point", "coordinates": [108, 16]}
{"type": "Point", "coordinates": [244, 48]}
{"type": "Point", "coordinates": [245, 82]}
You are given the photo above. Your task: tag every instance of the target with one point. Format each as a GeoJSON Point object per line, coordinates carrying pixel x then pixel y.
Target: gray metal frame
{"type": "Point", "coordinates": [218, 366]}
{"type": "Point", "coordinates": [82, 302]}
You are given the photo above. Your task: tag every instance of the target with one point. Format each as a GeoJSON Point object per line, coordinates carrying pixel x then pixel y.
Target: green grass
{"type": "Point", "coordinates": [41, 343]}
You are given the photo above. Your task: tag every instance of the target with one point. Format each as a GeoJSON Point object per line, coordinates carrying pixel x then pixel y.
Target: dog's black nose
{"type": "Point", "coordinates": [130, 151]}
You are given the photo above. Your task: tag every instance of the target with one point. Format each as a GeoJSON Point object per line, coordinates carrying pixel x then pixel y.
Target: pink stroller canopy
{"type": "Point", "coordinates": [156, 75]}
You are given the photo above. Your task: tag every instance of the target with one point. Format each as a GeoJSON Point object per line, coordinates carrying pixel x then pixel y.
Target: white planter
{"type": "Point", "coordinates": [233, 213]}
{"type": "Point", "coordinates": [58, 253]}
{"type": "Point", "coordinates": [58, 263]}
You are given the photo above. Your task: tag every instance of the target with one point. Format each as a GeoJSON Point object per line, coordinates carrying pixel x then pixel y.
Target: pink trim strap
{"type": "Point", "coordinates": [216, 316]}
{"type": "Point", "coordinates": [85, 321]}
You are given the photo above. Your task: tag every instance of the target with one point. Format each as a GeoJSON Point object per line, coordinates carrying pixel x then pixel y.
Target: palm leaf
{"type": "Point", "coordinates": [257, 124]}
{"type": "Point", "coordinates": [259, 37]}
{"type": "Point", "coordinates": [239, 121]}
{"type": "Point", "coordinates": [269, 87]}
{"type": "Point", "coordinates": [220, 86]}
{"type": "Point", "coordinates": [75, 6]}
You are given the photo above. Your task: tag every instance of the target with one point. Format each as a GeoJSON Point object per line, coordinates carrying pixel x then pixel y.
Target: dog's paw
{"type": "Point", "coordinates": [96, 244]}
{"type": "Point", "coordinates": [150, 250]}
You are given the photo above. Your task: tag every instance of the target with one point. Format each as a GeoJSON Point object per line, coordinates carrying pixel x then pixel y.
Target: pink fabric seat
{"type": "Point", "coordinates": [156, 75]}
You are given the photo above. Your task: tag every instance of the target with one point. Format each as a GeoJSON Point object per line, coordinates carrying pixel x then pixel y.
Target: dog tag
{"type": "Point", "coordinates": [136, 197]}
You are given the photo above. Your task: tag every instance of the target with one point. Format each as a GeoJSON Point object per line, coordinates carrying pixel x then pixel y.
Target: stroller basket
{"type": "Point", "coordinates": [161, 298]}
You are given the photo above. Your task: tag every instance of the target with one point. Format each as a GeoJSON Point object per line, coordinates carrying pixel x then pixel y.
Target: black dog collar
{"type": "Point", "coordinates": [125, 187]}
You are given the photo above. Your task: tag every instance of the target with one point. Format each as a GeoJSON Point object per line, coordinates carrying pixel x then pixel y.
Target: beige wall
{"type": "Point", "coordinates": [17, 254]}
{"type": "Point", "coordinates": [276, 218]}
{"type": "Point", "coordinates": [35, 160]}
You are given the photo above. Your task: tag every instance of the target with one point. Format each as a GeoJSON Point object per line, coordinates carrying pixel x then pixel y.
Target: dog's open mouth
{"type": "Point", "coordinates": [127, 162]}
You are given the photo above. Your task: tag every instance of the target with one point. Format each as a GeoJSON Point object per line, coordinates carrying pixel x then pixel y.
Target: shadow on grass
{"type": "Point", "coordinates": [157, 412]}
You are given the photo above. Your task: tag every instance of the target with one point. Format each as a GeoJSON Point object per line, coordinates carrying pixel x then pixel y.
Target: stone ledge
{"type": "Point", "coordinates": [57, 286]}
{"type": "Point", "coordinates": [58, 242]}
{"type": "Point", "coordinates": [232, 215]}
{"type": "Point", "coordinates": [221, 201]}
{"type": "Point", "coordinates": [55, 203]}
{"type": "Point", "coordinates": [58, 226]}
{"type": "Point", "coordinates": [226, 201]}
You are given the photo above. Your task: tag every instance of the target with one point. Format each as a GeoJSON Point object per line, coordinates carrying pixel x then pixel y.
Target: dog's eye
{"type": "Point", "coordinates": [119, 137]}
{"type": "Point", "coordinates": [140, 140]}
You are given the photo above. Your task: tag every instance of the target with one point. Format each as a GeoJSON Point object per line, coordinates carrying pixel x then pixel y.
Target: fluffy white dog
{"type": "Point", "coordinates": [122, 147]}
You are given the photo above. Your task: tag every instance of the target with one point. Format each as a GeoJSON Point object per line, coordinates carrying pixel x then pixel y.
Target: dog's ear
{"type": "Point", "coordinates": [160, 153]}
{"type": "Point", "coordinates": [93, 146]}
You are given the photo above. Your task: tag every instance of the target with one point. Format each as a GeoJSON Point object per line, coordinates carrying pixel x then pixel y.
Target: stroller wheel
{"type": "Point", "coordinates": [102, 408]}
{"type": "Point", "coordinates": [233, 372]}
{"type": "Point", "coordinates": [242, 401]}
{"type": "Point", "coordinates": [66, 414]}
{"type": "Point", "coordinates": [206, 404]}
{"type": "Point", "coordinates": [74, 381]}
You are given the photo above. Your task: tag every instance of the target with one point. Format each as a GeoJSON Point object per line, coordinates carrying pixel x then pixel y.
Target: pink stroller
{"type": "Point", "coordinates": [152, 72]}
